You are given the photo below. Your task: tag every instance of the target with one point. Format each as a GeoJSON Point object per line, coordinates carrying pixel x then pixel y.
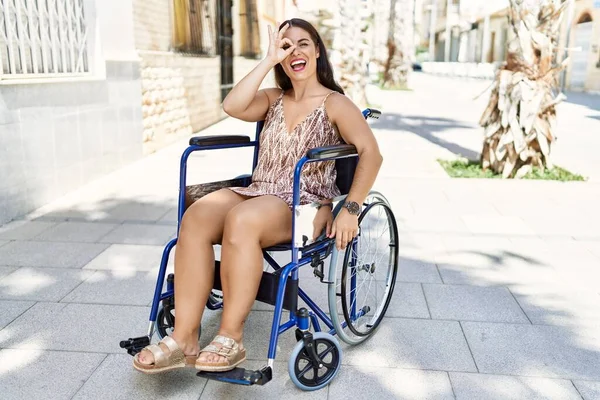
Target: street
{"type": "Point", "coordinates": [496, 298]}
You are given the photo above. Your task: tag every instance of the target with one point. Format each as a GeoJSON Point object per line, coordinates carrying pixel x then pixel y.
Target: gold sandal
{"type": "Point", "coordinates": [229, 349]}
{"type": "Point", "coordinates": [173, 358]}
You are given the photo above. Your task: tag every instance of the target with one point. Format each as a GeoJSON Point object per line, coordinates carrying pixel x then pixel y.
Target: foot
{"type": "Point", "coordinates": [222, 354]}
{"type": "Point", "coordinates": [189, 350]}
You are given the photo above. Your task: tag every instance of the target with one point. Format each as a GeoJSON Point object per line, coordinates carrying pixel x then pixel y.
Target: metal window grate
{"type": "Point", "coordinates": [42, 38]}
{"type": "Point", "coordinates": [195, 26]}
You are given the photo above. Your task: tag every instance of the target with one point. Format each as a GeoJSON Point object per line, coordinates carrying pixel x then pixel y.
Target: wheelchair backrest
{"type": "Point", "coordinates": [344, 167]}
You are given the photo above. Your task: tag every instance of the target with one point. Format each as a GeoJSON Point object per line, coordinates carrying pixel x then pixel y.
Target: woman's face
{"type": "Point", "coordinates": [302, 63]}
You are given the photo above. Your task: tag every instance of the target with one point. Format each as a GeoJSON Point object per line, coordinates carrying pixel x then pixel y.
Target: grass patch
{"type": "Point", "coordinates": [472, 169]}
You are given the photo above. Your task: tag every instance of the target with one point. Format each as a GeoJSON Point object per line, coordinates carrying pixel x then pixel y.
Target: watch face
{"type": "Point", "coordinates": [353, 207]}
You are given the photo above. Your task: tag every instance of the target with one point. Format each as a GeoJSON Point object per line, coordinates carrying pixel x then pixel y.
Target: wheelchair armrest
{"type": "Point", "coordinates": [371, 113]}
{"type": "Point", "coordinates": [215, 140]}
{"type": "Point", "coordinates": [337, 151]}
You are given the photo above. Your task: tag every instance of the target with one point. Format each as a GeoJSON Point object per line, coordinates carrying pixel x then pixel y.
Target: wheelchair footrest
{"type": "Point", "coordinates": [135, 345]}
{"type": "Point", "coordinates": [240, 376]}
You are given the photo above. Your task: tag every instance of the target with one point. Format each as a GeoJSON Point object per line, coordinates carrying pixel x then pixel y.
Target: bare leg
{"type": "Point", "coordinates": [249, 227]}
{"type": "Point", "coordinates": [201, 227]}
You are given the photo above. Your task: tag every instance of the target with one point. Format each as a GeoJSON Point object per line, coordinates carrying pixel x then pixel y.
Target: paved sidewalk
{"type": "Point", "coordinates": [497, 296]}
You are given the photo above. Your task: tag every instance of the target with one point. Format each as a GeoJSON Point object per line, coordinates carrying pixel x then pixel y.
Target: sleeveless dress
{"type": "Point", "coordinates": [280, 150]}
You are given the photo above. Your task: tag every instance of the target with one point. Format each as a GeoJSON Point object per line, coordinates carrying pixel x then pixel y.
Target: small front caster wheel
{"type": "Point", "coordinates": [304, 373]}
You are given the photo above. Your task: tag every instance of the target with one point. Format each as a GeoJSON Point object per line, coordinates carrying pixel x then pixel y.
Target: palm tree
{"type": "Point", "coordinates": [400, 44]}
{"type": "Point", "coordinates": [519, 121]}
{"type": "Point", "coordinates": [353, 50]}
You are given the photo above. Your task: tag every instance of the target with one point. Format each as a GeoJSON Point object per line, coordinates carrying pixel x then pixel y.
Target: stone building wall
{"type": "Point", "coordinates": [180, 92]}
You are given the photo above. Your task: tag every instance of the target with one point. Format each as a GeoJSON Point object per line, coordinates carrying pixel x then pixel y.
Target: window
{"type": "Point", "coordinates": [194, 26]}
{"type": "Point", "coordinates": [42, 38]}
{"type": "Point", "coordinates": [250, 46]}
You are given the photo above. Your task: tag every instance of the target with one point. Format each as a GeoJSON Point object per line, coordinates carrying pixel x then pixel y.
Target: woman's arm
{"type": "Point", "coordinates": [245, 101]}
{"type": "Point", "coordinates": [355, 131]}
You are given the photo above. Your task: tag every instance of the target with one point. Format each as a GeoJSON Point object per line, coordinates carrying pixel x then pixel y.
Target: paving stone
{"type": "Point", "coordinates": [122, 287]}
{"type": "Point", "coordinates": [169, 218]}
{"type": "Point", "coordinates": [36, 374]}
{"type": "Point", "coordinates": [472, 303]}
{"type": "Point", "coordinates": [116, 379]}
{"type": "Point", "coordinates": [483, 270]}
{"type": "Point", "coordinates": [46, 254]}
{"type": "Point", "coordinates": [414, 343]}
{"type": "Point", "coordinates": [75, 327]}
{"type": "Point", "coordinates": [489, 387]}
{"type": "Point", "coordinates": [407, 301]}
{"type": "Point", "coordinates": [559, 305]}
{"type": "Point", "coordinates": [534, 350]}
{"type": "Point", "coordinates": [387, 383]}
{"type": "Point", "coordinates": [411, 270]}
{"type": "Point", "coordinates": [41, 284]}
{"type": "Point", "coordinates": [23, 229]}
{"type": "Point", "coordinates": [280, 387]}
{"type": "Point", "coordinates": [130, 257]}
{"type": "Point", "coordinates": [593, 246]}
{"type": "Point", "coordinates": [6, 270]}
{"type": "Point", "coordinates": [136, 211]}
{"type": "Point", "coordinates": [140, 234]}
{"type": "Point", "coordinates": [497, 225]}
{"type": "Point", "coordinates": [9, 310]}
{"type": "Point", "coordinates": [89, 232]}
{"type": "Point", "coordinates": [425, 223]}
{"type": "Point", "coordinates": [588, 389]}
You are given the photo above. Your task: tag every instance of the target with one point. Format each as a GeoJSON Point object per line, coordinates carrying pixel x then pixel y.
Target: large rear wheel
{"type": "Point", "coordinates": [362, 284]}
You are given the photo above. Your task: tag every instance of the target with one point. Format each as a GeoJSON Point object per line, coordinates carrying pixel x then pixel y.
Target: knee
{"type": "Point", "coordinates": [241, 226]}
{"type": "Point", "coordinates": [195, 223]}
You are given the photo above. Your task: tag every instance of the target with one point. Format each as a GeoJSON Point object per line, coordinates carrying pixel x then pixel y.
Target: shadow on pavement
{"type": "Point", "coordinates": [427, 127]}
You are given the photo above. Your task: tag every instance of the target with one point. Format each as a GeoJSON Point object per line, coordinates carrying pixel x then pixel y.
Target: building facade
{"type": "Point", "coordinates": [581, 36]}
{"type": "Point", "coordinates": [480, 33]}
{"type": "Point", "coordinates": [88, 86]}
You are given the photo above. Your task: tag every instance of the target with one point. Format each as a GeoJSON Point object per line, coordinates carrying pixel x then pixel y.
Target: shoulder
{"type": "Point", "coordinates": [338, 105]}
{"type": "Point", "coordinates": [272, 94]}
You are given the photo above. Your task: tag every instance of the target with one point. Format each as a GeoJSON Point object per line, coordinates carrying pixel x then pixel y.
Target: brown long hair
{"type": "Point", "coordinates": [324, 68]}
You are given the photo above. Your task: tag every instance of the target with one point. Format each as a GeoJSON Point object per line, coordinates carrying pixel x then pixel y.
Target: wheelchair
{"type": "Point", "coordinates": [359, 288]}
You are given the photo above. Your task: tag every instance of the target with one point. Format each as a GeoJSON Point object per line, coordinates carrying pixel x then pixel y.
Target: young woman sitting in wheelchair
{"type": "Point", "coordinates": [308, 110]}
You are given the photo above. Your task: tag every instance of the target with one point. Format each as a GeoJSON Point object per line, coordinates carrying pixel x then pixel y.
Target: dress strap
{"type": "Point", "coordinates": [328, 94]}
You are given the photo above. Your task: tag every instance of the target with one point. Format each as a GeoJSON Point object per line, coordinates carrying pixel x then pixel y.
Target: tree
{"type": "Point", "coordinates": [353, 50]}
{"type": "Point", "coordinates": [519, 121]}
{"type": "Point", "coordinates": [400, 44]}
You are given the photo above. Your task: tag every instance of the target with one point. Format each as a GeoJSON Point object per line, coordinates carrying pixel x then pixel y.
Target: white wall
{"type": "Point", "coordinates": [115, 27]}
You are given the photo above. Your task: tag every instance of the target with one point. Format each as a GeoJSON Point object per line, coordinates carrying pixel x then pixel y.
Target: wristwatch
{"type": "Point", "coordinates": [352, 207]}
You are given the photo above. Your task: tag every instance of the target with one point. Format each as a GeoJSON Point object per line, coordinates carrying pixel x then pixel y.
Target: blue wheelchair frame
{"type": "Point", "coordinates": [301, 256]}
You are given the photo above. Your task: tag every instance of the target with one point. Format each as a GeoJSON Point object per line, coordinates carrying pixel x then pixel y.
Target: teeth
{"type": "Point", "coordinates": [298, 62]}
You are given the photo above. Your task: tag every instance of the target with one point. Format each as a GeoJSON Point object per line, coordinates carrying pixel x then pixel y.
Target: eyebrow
{"type": "Point", "coordinates": [303, 40]}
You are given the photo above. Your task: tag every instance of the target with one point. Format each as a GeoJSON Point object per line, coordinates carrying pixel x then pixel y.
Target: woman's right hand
{"type": "Point", "coordinates": [279, 47]}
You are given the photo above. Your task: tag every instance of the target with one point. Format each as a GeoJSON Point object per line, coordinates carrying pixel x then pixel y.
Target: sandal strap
{"type": "Point", "coordinates": [170, 343]}
{"type": "Point", "coordinates": [228, 346]}
{"type": "Point", "coordinates": [159, 354]}
{"type": "Point", "coordinates": [163, 358]}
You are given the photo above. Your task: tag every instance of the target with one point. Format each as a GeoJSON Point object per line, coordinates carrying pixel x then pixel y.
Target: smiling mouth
{"type": "Point", "coordinates": [298, 65]}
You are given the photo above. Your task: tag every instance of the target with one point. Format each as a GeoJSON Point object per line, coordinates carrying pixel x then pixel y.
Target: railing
{"type": "Point", "coordinates": [42, 38]}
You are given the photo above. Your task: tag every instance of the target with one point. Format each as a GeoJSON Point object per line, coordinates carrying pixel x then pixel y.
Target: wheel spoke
{"type": "Point", "coordinates": [305, 370]}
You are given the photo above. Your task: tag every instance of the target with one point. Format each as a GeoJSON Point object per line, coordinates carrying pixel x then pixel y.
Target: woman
{"type": "Point", "coordinates": [308, 110]}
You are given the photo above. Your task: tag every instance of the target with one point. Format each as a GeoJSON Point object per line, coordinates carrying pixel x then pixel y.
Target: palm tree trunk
{"type": "Point", "coordinates": [353, 51]}
{"type": "Point", "coordinates": [399, 44]}
{"type": "Point", "coordinates": [519, 121]}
